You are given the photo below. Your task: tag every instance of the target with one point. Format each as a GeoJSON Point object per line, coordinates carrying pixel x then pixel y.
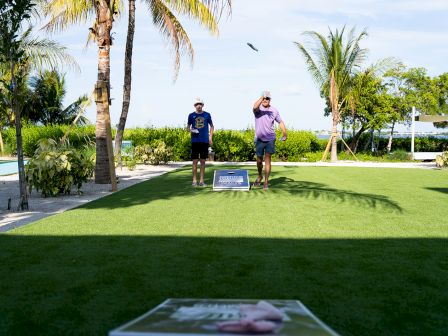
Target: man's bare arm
{"type": "Point", "coordinates": [257, 104]}
{"type": "Point", "coordinates": [283, 128]}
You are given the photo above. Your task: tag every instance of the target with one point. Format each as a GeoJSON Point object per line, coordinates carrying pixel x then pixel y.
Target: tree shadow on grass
{"type": "Point", "coordinates": [312, 190]}
{"type": "Point", "coordinates": [178, 184]}
{"type": "Point", "coordinates": [442, 190]}
{"type": "Point", "coordinates": [88, 285]}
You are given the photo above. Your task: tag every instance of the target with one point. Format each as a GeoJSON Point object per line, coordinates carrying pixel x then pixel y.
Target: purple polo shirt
{"type": "Point", "coordinates": [264, 123]}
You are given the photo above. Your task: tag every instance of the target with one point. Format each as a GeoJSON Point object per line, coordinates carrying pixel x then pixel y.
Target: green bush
{"type": "Point", "coordinates": [233, 145]}
{"type": "Point", "coordinates": [178, 139]}
{"type": "Point", "coordinates": [297, 144]}
{"type": "Point", "coordinates": [399, 155]}
{"type": "Point", "coordinates": [31, 134]}
{"type": "Point", "coordinates": [156, 153]}
{"type": "Point", "coordinates": [55, 168]}
{"type": "Point", "coordinates": [442, 160]}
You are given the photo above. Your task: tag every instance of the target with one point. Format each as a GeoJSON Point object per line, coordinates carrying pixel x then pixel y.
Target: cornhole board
{"type": "Point", "coordinates": [231, 179]}
{"type": "Point", "coordinates": [201, 317]}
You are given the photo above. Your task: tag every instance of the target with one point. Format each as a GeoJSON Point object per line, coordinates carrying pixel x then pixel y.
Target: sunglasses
{"type": "Point", "coordinates": [267, 98]}
{"type": "Point", "coordinates": [198, 104]}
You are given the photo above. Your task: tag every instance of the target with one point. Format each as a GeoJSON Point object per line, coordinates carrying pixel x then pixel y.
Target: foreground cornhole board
{"type": "Point", "coordinates": [234, 179]}
{"type": "Point", "coordinates": [202, 317]}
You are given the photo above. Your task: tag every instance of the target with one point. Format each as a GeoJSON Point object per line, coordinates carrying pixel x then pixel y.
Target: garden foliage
{"type": "Point", "coordinates": [78, 136]}
{"type": "Point", "coordinates": [228, 145]}
{"type": "Point", "coordinates": [55, 168]}
{"type": "Point", "coordinates": [442, 160]}
{"type": "Point", "coordinates": [156, 153]}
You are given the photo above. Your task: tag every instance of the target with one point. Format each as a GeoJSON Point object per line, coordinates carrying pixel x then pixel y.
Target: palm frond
{"type": "Point", "coordinates": [44, 53]}
{"type": "Point", "coordinates": [204, 12]}
{"type": "Point", "coordinates": [64, 13]}
{"type": "Point", "coordinates": [171, 29]}
{"type": "Point", "coordinates": [313, 68]}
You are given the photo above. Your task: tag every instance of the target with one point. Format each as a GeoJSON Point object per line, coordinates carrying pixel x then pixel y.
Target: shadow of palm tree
{"type": "Point", "coordinates": [178, 184]}
{"type": "Point", "coordinates": [442, 190]}
{"type": "Point", "coordinates": [312, 190]}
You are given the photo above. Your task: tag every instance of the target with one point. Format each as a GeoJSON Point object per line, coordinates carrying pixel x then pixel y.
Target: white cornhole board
{"type": "Point", "coordinates": [201, 317]}
{"type": "Point", "coordinates": [231, 179]}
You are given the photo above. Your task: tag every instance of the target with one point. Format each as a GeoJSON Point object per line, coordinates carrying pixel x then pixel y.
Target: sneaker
{"type": "Point", "coordinates": [202, 184]}
{"type": "Point", "coordinates": [194, 184]}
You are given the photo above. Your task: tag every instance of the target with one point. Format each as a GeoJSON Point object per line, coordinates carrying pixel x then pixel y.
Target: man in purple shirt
{"type": "Point", "coordinates": [265, 115]}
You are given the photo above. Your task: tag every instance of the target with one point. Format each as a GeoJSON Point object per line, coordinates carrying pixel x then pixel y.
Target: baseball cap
{"type": "Point", "coordinates": [266, 94]}
{"type": "Point", "coordinates": [198, 101]}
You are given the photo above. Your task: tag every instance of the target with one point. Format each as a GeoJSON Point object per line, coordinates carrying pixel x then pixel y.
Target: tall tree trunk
{"type": "Point", "coordinates": [23, 205]}
{"type": "Point", "coordinates": [355, 139]}
{"type": "Point", "coordinates": [2, 149]}
{"type": "Point", "coordinates": [127, 80]}
{"type": "Point", "coordinates": [391, 136]}
{"type": "Point", "coordinates": [334, 99]}
{"type": "Point", "coordinates": [104, 169]}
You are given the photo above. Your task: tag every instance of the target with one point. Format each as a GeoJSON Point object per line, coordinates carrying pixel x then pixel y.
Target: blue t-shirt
{"type": "Point", "coordinates": [200, 121]}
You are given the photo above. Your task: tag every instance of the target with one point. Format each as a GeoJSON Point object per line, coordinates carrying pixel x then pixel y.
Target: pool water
{"type": "Point", "coordinates": [9, 167]}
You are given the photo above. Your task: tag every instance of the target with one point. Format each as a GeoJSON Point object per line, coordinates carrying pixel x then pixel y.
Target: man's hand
{"type": "Point", "coordinates": [284, 137]}
{"type": "Point", "coordinates": [210, 140]}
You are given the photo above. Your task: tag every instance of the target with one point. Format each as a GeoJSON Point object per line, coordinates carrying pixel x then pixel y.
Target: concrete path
{"type": "Point", "coordinates": [40, 207]}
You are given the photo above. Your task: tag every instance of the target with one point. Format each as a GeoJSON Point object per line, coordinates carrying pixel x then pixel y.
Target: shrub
{"type": "Point", "coordinates": [399, 155]}
{"type": "Point", "coordinates": [297, 144]}
{"type": "Point", "coordinates": [156, 153]}
{"type": "Point", "coordinates": [442, 160]}
{"type": "Point", "coordinates": [234, 145]}
{"type": "Point", "coordinates": [31, 134]}
{"type": "Point", "coordinates": [54, 169]}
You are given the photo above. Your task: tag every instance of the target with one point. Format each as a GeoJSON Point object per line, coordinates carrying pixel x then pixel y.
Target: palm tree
{"type": "Point", "coordinates": [64, 13]}
{"type": "Point", "coordinates": [332, 61]}
{"type": "Point", "coordinates": [205, 12]}
{"type": "Point", "coordinates": [47, 94]}
{"type": "Point", "coordinates": [21, 53]}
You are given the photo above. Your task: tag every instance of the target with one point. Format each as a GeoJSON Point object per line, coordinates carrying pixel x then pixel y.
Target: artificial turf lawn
{"type": "Point", "coordinates": [365, 249]}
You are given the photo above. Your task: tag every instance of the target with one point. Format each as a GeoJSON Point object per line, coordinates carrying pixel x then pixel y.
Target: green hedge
{"type": "Point", "coordinates": [228, 145]}
{"type": "Point", "coordinates": [421, 144]}
{"type": "Point", "coordinates": [31, 134]}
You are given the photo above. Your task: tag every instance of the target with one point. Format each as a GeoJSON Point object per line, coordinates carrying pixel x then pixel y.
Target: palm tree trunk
{"type": "Point", "coordinates": [127, 80]}
{"type": "Point", "coordinates": [391, 136]}
{"type": "Point", "coordinates": [104, 169]}
{"type": "Point", "coordinates": [2, 149]}
{"type": "Point", "coordinates": [335, 114]}
{"type": "Point", "coordinates": [355, 139]}
{"type": "Point", "coordinates": [23, 205]}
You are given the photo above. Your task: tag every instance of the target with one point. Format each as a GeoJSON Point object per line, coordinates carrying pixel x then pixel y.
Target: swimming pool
{"type": "Point", "coordinates": [9, 167]}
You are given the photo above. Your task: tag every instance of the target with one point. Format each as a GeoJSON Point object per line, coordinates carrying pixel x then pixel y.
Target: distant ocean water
{"type": "Point", "coordinates": [396, 136]}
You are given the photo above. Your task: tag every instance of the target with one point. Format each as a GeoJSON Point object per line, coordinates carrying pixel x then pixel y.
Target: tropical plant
{"type": "Point", "coordinates": [156, 153]}
{"type": "Point", "coordinates": [203, 11]}
{"type": "Point", "coordinates": [46, 103]}
{"type": "Point", "coordinates": [442, 160]}
{"type": "Point", "coordinates": [332, 61]}
{"type": "Point", "coordinates": [66, 12]}
{"type": "Point", "coordinates": [55, 168]}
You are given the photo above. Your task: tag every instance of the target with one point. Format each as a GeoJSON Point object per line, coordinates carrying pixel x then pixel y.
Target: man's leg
{"type": "Point", "coordinates": [195, 170]}
{"type": "Point", "coordinates": [202, 171]}
{"type": "Point", "coordinates": [267, 169]}
{"type": "Point", "coordinates": [260, 168]}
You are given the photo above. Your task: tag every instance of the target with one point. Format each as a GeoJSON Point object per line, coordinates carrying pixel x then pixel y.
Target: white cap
{"type": "Point", "coordinates": [198, 101]}
{"type": "Point", "coordinates": [266, 94]}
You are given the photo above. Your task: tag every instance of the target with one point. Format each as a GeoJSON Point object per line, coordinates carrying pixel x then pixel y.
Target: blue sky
{"type": "Point", "coordinates": [229, 76]}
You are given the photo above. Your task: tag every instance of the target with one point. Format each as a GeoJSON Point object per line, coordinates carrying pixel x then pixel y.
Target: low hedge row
{"type": "Point", "coordinates": [228, 145]}
{"type": "Point", "coordinates": [78, 137]}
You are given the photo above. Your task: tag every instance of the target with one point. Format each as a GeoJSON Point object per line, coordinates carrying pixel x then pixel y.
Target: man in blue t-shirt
{"type": "Point", "coordinates": [201, 139]}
